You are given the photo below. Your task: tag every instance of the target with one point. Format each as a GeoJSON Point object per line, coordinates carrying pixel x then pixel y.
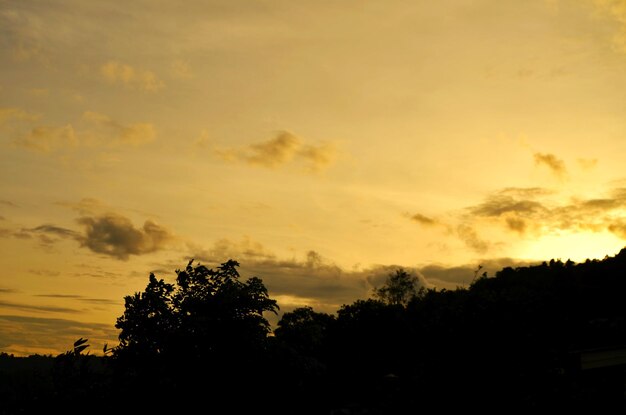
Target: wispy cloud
{"type": "Point", "coordinates": [118, 133]}
{"type": "Point", "coordinates": [10, 113]}
{"type": "Point", "coordinates": [37, 308]}
{"type": "Point", "coordinates": [180, 69]}
{"type": "Point", "coordinates": [94, 131]}
{"type": "Point", "coordinates": [556, 166]}
{"type": "Point", "coordinates": [284, 148]}
{"type": "Point", "coordinates": [616, 10]}
{"type": "Point", "coordinates": [120, 73]}
{"type": "Point", "coordinates": [48, 138]}
{"type": "Point", "coordinates": [308, 280]}
{"type": "Point", "coordinates": [422, 219]}
{"type": "Point", "coordinates": [26, 335]}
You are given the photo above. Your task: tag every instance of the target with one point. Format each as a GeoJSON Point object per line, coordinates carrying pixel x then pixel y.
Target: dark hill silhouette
{"type": "Point", "coordinates": [550, 337]}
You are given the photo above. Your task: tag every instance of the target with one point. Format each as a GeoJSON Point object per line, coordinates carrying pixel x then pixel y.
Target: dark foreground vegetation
{"type": "Point", "coordinates": [535, 339]}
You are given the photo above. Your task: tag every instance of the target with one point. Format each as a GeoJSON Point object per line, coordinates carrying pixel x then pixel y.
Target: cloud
{"type": "Point", "coordinates": [100, 301]}
{"type": "Point", "coordinates": [132, 134]}
{"type": "Point", "coordinates": [280, 150]}
{"type": "Point", "coordinates": [516, 224]}
{"type": "Point", "coordinates": [500, 204]}
{"type": "Point", "coordinates": [56, 230]}
{"type": "Point", "coordinates": [103, 131]}
{"type": "Point", "coordinates": [556, 166]}
{"type": "Point", "coordinates": [8, 203]}
{"type": "Point", "coordinates": [115, 235]}
{"type": "Point", "coordinates": [616, 10]}
{"type": "Point", "coordinates": [470, 237]}
{"type": "Point", "coordinates": [119, 73]}
{"type": "Point", "coordinates": [7, 290]}
{"type": "Point", "coordinates": [308, 280]}
{"type": "Point", "coordinates": [422, 220]}
{"type": "Point", "coordinates": [27, 335]}
{"type": "Point", "coordinates": [180, 70]}
{"type": "Point", "coordinates": [519, 214]}
{"type": "Point", "coordinates": [451, 277]}
{"type": "Point", "coordinates": [37, 308]}
{"type": "Point", "coordinates": [8, 114]}
{"type": "Point", "coordinates": [110, 234]}
{"type": "Point", "coordinates": [48, 138]}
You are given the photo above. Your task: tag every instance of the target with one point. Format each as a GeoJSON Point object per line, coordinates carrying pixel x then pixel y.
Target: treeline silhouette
{"type": "Point", "coordinates": [550, 337]}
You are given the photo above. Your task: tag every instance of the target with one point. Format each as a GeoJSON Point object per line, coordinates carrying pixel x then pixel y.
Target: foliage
{"type": "Point", "coordinates": [513, 342]}
{"type": "Point", "coordinates": [205, 313]}
{"type": "Point", "coordinates": [400, 288]}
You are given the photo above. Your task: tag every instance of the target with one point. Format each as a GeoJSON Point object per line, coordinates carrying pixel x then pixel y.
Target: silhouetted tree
{"type": "Point", "coordinates": [206, 312]}
{"type": "Point", "coordinates": [400, 287]}
{"type": "Point", "coordinates": [304, 329]}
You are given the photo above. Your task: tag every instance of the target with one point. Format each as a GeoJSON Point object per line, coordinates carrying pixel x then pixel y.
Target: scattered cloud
{"type": "Point", "coordinates": [48, 138]}
{"type": "Point", "coordinates": [556, 166]}
{"type": "Point", "coordinates": [181, 70]}
{"type": "Point", "coordinates": [10, 113]}
{"type": "Point", "coordinates": [469, 236]}
{"type": "Point", "coordinates": [37, 308]}
{"type": "Point", "coordinates": [120, 73]}
{"type": "Point", "coordinates": [110, 234]}
{"type": "Point", "coordinates": [99, 131]}
{"type": "Point", "coordinates": [422, 220]}
{"type": "Point", "coordinates": [451, 277]}
{"type": "Point", "coordinates": [26, 335]}
{"type": "Point", "coordinates": [116, 236]}
{"type": "Point", "coordinates": [101, 301]}
{"type": "Point", "coordinates": [545, 215]}
{"type": "Point", "coordinates": [500, 204]}
{"type": "Point", "coordinates": [56, 230]}
{"type": "Point", "coordinates": [284, 148]}
{"type": "Point", "coordinates": [311, 280]}
{"type": "Point", "coordinates": [616, 10]}
{"type": "Point", "coordinates": [132, 134]}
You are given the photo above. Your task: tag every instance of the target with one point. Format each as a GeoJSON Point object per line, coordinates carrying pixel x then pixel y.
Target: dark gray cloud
{"type": "Point", "coordinates": [26, 335]}
{"type": "Point", "coordinates": [109, 234]}
{"type": "Point", "coordinates": [115, 235]}
{"type": "Point", "coordinates": [451, 277]}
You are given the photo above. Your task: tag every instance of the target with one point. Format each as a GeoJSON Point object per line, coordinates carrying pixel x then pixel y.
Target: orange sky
{"type": "Point", "coordinates": [316, 142]}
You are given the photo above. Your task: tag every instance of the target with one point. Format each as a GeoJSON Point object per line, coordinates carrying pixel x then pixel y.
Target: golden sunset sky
{"type": "Point", "coordinates": [319, 143]}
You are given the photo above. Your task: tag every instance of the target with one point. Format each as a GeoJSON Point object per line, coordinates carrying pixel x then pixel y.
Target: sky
{"type": "Point", "coordinates": [321, 144]}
